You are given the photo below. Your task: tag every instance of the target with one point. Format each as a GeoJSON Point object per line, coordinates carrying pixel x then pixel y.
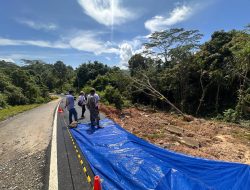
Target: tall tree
{"type": "Point", "coordinates": [176, 48]}
{"type": "Point", "coordinates": [215, 63]}
{"type": "Point", "coordinates": [166, 44]}
{"type": "Point", "coordinates": [61, 72]}
{"type": "Point", "coordinates": [240, 46]}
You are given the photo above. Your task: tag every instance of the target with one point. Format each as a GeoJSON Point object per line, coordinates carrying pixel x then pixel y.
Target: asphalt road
{"type": "Point", "coordinates": [24, 140]}
{"type": "Point", "coordinates": [25, 151]}
{"type": "Point", "coordinates": [70, 170]}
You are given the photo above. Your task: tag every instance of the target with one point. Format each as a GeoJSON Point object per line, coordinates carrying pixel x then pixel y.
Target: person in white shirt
{"type": "Point", "coordinates": [82, 103]}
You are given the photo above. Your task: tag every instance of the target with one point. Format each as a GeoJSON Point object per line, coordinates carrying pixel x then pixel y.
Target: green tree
{"type": "Point", "coordinates": [136, 63]}
{"type": "Point", "coordinates": [175, 47]}
{"type": "Point", "coordinates": [89, 71]}
{"type": "Point", "coordinates": [61, 72]}
{"type": "Point", "coordinates": [113, 96]}
{"type": "Point", "coordinates": [166, 44]}
{"type": "Point", "coordinates": [240, 46]}
{"type": "Point", "coordinates": [215, 65]}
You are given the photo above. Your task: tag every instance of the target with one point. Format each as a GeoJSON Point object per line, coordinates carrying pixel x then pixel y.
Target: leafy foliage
{"type": "Point", "coordinates": [230, 115]}
{"type": "Point", "coordinates": [32, 82]}
{"type": "Point", "coordinates": [89, 71]}
{"type": "Point", "coordinates": [199, 79]}
{"type": "Point", "coordinates": [174, 72]}
{"type": "Point", "coordinates": [113, 96]}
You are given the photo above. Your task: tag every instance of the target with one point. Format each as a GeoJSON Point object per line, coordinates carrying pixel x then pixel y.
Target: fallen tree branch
{"type": "Point", "coordinates": [145, 84]}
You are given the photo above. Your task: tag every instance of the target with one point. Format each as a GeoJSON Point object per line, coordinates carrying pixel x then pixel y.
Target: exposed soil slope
{"type": "Point", "coordinates": [200, 137]}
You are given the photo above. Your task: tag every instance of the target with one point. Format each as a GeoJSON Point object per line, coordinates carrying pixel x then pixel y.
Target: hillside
{"type": "Point", "coordinates": [201, 137]}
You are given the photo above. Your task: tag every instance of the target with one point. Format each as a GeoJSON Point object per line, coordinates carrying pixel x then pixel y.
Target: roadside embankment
{"type": "Point", "coordinates": [14, 110]}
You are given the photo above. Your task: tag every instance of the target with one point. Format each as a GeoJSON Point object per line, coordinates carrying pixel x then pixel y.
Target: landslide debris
{"type": "Point", "coordinates": [200, 137]}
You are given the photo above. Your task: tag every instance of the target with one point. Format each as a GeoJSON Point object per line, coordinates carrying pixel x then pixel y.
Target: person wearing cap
{"type": "Point", "coordinates": [82, 103]}
{"type": "Point", "coordinates": [70, 104]}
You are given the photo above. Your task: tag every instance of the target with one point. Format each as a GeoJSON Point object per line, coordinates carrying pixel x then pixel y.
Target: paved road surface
{"type": "Point", "coordinates": [24, 140]}
{"type": "Point", "coordinates": [25, 151]}
{"type": "Point", "coordinates": [70, 171]}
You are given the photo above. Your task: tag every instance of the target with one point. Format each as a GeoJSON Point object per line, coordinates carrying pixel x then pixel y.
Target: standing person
{"type": "Point", "coordinates": [70, 104]}
{"type": "Point", "coordinates": [93, 106]}
{"type": "Point", "coordinates": [82, 103]}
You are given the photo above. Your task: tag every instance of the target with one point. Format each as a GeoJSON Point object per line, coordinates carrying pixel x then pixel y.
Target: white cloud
{"type": "Point", "coordinates": [39, 26]}
{"type": "Point", "coordinates": [8, 42]}
{"type": "Point", "coordinates": [83, 41]}
{"type": "Point", "coordinates": [39, 43]}
{"type": "Point", "coordinates": [177, 15]}
{"type": "Point", "coordinates": [126, 52]}
{"type": "Point", "coordinates": [106, 12]}
{"type": "Point", "coordinates": [16, 57]}
{"type": "Point", "coordinates": [128, 48]}
{"type": "Point", "coordinates": [108, 58]}
{"type": "Point", "coordinates": [7, 60]}
{"type": "Point", "coordinates": [10, 57]}
{"type": "Point", "coordinates": [88, 41]}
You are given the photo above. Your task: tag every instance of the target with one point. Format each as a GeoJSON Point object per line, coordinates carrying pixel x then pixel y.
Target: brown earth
{"type": "Point", "coordinates": [200, 137]}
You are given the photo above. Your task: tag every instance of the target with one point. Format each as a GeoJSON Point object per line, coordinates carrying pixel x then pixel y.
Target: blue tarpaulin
{"type": "Point", "coordinates": [127, 162]}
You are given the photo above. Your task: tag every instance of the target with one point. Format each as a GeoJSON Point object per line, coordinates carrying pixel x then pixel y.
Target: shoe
{"type": "Point", "coordinates": [100, 126]}
{"type": "Point", "coordinates": [73, 124]}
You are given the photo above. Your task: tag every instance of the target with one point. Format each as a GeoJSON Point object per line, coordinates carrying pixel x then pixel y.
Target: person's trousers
{"type": "Point", "coordinates": [72, 112]}
{"type": "Point", "coordinates": [83, 110]}
{"type": "Point", "coordinates": [94, 116]}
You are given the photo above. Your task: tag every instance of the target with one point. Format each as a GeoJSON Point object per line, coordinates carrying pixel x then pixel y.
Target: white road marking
{"type": "Point", "coordinates": [53, 174]}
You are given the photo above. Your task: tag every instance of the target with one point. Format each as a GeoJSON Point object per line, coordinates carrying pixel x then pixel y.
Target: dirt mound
{"type": "Point", "coordinates": [200, 137]}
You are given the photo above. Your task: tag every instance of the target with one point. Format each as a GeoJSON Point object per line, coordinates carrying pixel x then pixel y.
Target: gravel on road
{"type": "Point", "coordinates": [24, 141]}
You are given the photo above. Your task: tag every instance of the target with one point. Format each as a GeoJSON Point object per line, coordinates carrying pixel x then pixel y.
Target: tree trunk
{"type": "Point", "coordinates": [201, 100]}
{"type": "Point", "coordinates": [217, 99]}
{"type": "Point", "coordinates": [142, 85]}
{"type": "Point", "coordinates": [204, 90]}
{"type": "Point", "coordinates": [240, 103]}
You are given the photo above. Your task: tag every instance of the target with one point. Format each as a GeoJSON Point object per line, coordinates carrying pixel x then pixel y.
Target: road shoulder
{"type": "Point", "coordinates": [24, 141]}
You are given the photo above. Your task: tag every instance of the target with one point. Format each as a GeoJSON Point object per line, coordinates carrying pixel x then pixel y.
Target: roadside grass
{"type": "Point", "coordinates": [13, 110]}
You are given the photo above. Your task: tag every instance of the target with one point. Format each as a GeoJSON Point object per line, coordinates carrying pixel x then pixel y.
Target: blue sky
{"type": "Point", "coordinates": [110, 31]}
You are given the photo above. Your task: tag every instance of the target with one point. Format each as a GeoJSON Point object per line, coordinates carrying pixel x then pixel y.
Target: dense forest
{"type": "Point", "coordinates": [174, 72]}
{"type": "Point", "coordinates": [32, 82]}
